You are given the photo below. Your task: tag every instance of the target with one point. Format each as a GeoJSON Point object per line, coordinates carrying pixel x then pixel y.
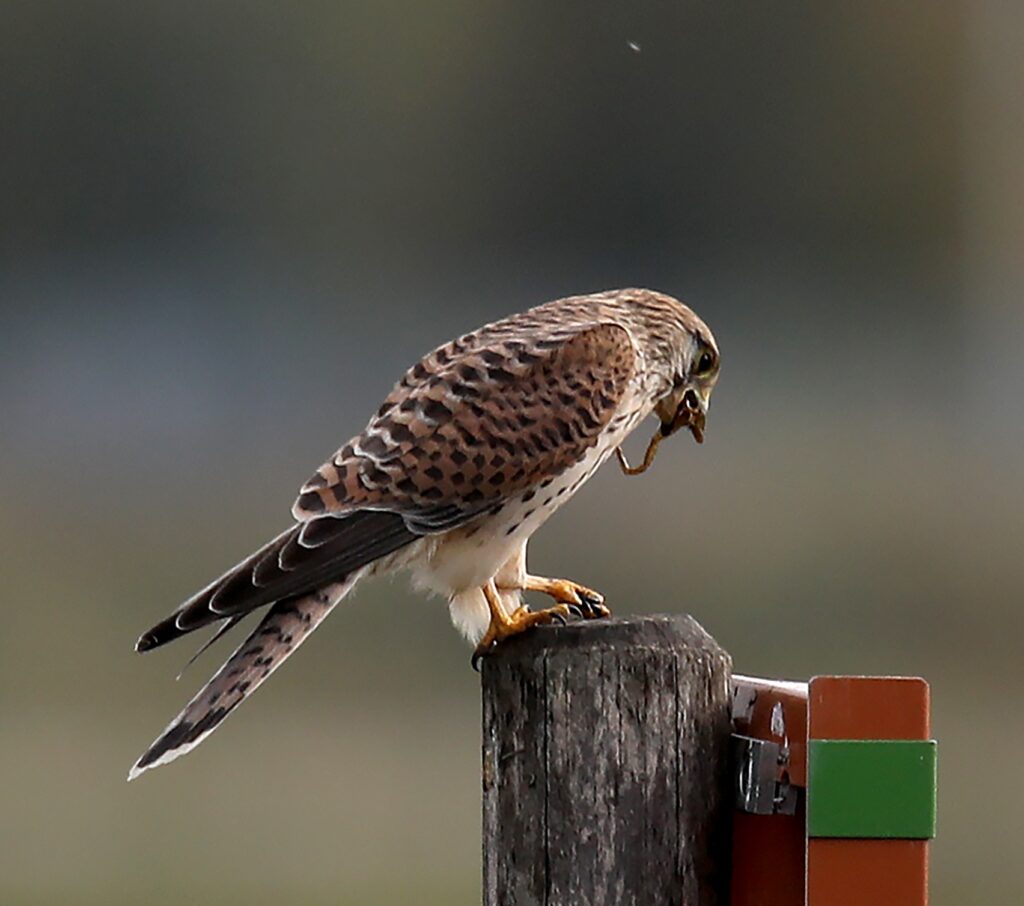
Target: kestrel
{"type": "Point", "coordinates": [472, 451]}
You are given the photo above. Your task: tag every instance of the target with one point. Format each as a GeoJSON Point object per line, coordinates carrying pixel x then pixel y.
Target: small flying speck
{"type": "Point", "coordinates": [633, 46]}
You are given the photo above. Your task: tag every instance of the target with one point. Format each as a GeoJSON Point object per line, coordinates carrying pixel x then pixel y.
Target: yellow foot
{"type": "Point", "coordinates": [585, 602]}
{"type": "Point", "coordinates": [503, 626]}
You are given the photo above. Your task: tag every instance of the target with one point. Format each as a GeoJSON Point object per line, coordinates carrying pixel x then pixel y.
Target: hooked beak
{"type": "Point", "coordinates": [691, 413]}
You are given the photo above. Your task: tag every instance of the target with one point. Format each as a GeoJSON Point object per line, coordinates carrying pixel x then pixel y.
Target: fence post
{"type": "Point", "coordinates": [606, 766]}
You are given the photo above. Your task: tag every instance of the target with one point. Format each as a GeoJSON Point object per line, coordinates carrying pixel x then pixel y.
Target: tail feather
{"type": "Point", "coordinates": [300, 560]}
{"type": "Point", "coordinates": [287, 624]}
{"type": "Point", "coordinates": [225, 627]}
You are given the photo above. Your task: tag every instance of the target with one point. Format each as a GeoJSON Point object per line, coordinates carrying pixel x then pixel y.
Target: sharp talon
{"type": "Point", "coordinates": [592, 604]}
{"type": "Point", "coordinates": [481, 651]}
{"type": "Point", "coordinates": [505, 625]}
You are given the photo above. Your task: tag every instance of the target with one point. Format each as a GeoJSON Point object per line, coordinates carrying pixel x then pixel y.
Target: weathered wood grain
{"type": "Point", "coordinates": [605, 766]}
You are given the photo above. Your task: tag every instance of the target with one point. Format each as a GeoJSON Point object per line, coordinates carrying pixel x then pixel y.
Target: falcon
{"type": "Point", "coordinates": [472, 451]}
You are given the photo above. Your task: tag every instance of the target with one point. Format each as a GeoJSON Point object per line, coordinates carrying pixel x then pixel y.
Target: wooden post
{"type": "Point", "coordinates": [606, 766]}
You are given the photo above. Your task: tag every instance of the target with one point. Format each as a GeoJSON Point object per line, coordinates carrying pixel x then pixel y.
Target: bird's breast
{"type": "Point", "coordinates": [467, 557]}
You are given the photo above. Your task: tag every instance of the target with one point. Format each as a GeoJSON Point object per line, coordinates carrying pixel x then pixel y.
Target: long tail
{"type": "Point", "coordinates": [286, 626]}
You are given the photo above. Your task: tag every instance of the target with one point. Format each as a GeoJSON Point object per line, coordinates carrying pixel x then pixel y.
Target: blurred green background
{"type": "Point", "coordinates": [226, 228]}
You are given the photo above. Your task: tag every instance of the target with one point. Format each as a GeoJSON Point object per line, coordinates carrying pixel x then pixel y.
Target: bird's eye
{"type": "Point", "coordinates": [705, 363]}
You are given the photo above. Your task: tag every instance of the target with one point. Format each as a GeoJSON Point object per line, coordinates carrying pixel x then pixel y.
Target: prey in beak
{"type": "Point", "coordinates": [692, 412]}
{"type": "Point", "coordinates": [689, 412]}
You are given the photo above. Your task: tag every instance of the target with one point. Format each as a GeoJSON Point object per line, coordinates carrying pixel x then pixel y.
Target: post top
{"type": "Point", "coordinates": [667, 632]}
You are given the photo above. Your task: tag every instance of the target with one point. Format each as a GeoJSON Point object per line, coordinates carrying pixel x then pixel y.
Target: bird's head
{"type": "Point", "coordinates": [686, 404]}
{"type": "Point", "coordinates": [690, 372]}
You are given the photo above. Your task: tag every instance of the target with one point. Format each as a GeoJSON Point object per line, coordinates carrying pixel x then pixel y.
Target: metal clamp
{"type": "Point", "coordinates": [761, 777]}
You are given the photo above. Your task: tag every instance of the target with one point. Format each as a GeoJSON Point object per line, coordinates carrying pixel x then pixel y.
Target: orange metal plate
{"type": "Point", "coordinates": [867, 872]}
{"type": "Point", "coordinates": [876, 872]}
{"type": "Point", "coordinates": [869, 707]}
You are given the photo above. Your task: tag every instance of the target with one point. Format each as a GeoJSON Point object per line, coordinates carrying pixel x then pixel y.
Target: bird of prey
{"type": "Point", "coordinates": [471, 452]}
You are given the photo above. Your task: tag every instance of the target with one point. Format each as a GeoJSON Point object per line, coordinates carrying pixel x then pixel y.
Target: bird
{"type": "Point", "coordinates": [476, 446]}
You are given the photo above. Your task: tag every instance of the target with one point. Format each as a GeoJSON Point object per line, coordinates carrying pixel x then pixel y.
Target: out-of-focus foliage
{"type": "Point", "coordinates": [226, 228]}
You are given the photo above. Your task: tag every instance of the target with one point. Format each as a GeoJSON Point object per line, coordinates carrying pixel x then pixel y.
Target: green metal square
{"type": "Point", "coordinates": [871, 788]}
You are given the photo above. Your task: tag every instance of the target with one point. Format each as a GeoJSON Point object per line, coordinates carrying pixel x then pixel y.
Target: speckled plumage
{"type": "Point", "coordinates": [470, 453]}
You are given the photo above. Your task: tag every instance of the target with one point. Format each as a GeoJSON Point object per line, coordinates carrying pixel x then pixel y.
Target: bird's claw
{"type": "Point", "coordinates": [592, 606]}
{"type": "Point", "coordinates": [582, 601]}
{"type": "Point", "coordinates": [518, 622]}
{"type": "Point", "coordinates": [586, 603]}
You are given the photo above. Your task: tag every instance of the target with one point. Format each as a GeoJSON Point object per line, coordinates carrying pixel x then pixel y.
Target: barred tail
{"type": "Point", "coordinates": [283, 629]}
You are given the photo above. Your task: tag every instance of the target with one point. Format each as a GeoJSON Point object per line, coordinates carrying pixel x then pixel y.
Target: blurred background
{"type": "Point", "coordinates": [225, 230]}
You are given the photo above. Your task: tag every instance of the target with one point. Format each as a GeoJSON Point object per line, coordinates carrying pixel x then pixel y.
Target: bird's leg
{"type": "Point", "coordinates": [589, 603]}
{"type": "Point", "coordinates": [503, 625]}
